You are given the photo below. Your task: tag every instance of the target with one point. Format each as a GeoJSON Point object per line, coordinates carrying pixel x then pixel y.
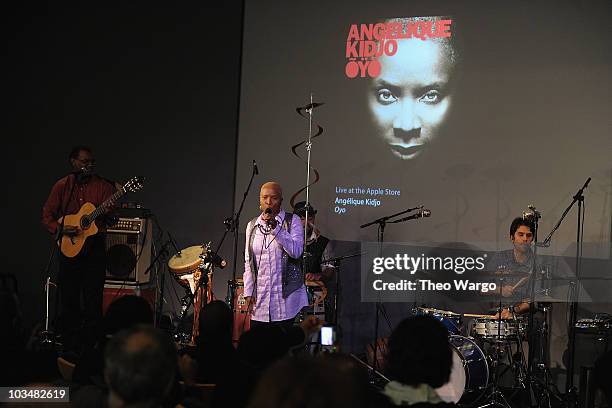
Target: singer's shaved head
{"type": "Point", "coordinates": [272, 185]}
{"type": "Point", "coordinates": [270, 198]}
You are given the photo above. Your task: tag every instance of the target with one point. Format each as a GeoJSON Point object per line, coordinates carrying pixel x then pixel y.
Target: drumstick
{"type": "Point", "coordinates": [520, 282]}
{"type": "Point", "coordinates": [475, 315]}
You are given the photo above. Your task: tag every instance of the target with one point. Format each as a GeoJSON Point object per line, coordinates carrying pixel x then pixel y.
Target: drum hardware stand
{"type": "Point", "coordinates": [233, 224]}
{"type": "Point", "coordinates": [548, 388]}
{"type": "Point", "coordinates": [160, 277]}
{"type": "Point", "coordinates": [179, 335]}
{"type": "Point", "coordinates": [496, 398]}
{"type": "Point", "coordinates": [337, 296]}
{"type": "Point", "coordinates": [380, 376]}
{"type": "Point", "coordinates": [380, 308]}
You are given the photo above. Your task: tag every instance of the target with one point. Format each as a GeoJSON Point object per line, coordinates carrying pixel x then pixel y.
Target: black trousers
{"type": "Point", "coordinates": [81, 288]}
{"type": "Point", "coordinates": [284, 324]}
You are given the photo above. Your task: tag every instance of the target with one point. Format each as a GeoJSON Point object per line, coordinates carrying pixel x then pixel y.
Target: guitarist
{"type": "Point", "coordinates": [80, 278]}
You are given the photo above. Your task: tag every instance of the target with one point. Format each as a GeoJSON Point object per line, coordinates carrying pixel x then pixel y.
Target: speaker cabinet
{"type": "Point", "coordinates": [128, 251]}
{"type": "Point", "coordinates": [114, 291]}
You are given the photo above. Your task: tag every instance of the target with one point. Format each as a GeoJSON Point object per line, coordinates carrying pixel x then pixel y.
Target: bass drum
{"type": "Point", "coordinates": [451, 320]}
{"type": "Point", "coordinates": [469, 374]}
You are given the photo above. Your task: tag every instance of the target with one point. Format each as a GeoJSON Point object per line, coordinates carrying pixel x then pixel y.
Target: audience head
{"type": "Point", "coordinates": [216, 323]}
{"type": "Point", "coordinates": [263, 345]}
{"type": "Point", "coordinates": [314, 382]}
{"type": "Point", "coordinates": [126, 312]}
{"type": "Point", "coordinates": [140, 367]}
{"type": "Point", "coordinates": [419, 352]}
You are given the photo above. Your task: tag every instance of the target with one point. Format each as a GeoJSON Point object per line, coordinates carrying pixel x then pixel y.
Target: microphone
{"type": "Point", "coordinates": [531, 214]}
{"type": "Point", "coordinates": [421, 213]}
{"type": "Point", "coordinates": [216, 260]}
{"type": "Point", "coordinates": [272, 221]}
{"type": "Point", "coordinates": [178, 251]}
{"type": "Point", "coordinates": [255, 169]}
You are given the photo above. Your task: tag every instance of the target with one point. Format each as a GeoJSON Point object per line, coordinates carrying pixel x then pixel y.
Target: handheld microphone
{"type": "Point", "coordinates": [272, 221]}
{"type": "Point", "coordinates": [255, 169]}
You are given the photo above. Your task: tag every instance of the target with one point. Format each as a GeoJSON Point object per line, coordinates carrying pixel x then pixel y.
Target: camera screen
{"type": "Point", "coordinates": [327, 336]}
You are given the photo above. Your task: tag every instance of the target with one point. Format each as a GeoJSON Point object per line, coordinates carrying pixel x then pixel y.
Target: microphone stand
{"type": "Point", "coordinates": [308, 109]}
{"type": "Point", "coordinates": [531, 329]}
{"type": "Point", "coordinates": [380, 309]}
{"type": "Point", "coordinates": [571, 347]}
{"type": "Point", "coordinates": [233, 224]}
{"type": "Point", "coordinates": [571, 391]}
{"type": "Point", "coordinates": [47, 335]}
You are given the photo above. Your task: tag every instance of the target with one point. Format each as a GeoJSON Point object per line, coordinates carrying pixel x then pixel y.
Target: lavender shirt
{"type": "Point", "coordinates": [268, 250]}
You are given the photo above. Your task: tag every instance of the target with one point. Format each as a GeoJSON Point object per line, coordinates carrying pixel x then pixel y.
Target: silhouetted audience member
{"type": "Point", "coordinates": [257, 350]}
{"type": "Point", "coordinates": [123, 313]}
{"type": "Point", "coordinates": [602, 377]}
{"type": "Point", "coordinates": [215, 353]}
{"type": "Point", "coordinates": [418, 360]}
{"type": "Point", "coordinates": [214, 357]}
{"type": "Point", "coordinates": [140, 367]}
{"type": "Point", "coordinates": [313, 382]}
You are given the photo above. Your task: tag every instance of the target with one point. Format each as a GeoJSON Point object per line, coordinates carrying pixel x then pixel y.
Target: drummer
{"type": "Point", "coordinates": [318, 248]}
{"type": "Point", "coordinates": [514, 268]}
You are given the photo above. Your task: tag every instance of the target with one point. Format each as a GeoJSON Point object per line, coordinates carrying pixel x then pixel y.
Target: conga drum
{"type": "Point", "coordinates": [187, 268]}
{"type": "Point", "coordinates": [242, 317]}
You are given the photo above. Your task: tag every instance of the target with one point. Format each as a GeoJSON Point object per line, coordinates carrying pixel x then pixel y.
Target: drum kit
{"type": "Point", "coordinates": [477, 357]}
{"type": "Point", "coordinates": [490, 354]}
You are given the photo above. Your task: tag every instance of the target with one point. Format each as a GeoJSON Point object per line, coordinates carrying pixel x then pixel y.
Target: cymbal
{"type": "Point", "coordinates": [545, 298]}
{"type": "Point", "coordinates": [506, 272]}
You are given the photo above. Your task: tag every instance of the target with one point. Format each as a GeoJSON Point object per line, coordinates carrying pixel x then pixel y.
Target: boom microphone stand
{"type": "Point", "coordinates": [233, 224]}
{"type": "Point", "coordinates": [382, 223]}
{"type": "Point", "coordinates": [574, 290]}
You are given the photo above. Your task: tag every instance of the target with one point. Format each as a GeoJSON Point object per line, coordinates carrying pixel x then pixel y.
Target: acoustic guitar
{"type": "Point", "coordinates": [71, 245]}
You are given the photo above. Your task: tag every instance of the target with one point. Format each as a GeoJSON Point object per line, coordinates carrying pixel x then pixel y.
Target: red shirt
{"type": "Point", "coordinates": [93, 189]}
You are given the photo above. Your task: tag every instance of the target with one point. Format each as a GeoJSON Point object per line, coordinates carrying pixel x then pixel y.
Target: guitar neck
{"type": "Point", "coordinates": [107, 203]}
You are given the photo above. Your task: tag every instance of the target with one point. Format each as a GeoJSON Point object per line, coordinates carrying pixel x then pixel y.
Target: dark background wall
{"type": "Point", "coordinates": [152, 89]}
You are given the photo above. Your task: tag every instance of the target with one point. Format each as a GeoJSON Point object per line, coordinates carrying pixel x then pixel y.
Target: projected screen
{"type": "Point", "coordinates": [471, 111]}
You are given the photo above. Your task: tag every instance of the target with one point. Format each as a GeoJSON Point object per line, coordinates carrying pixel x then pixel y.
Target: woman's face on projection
{"type": "Point", "coordinates": [410, 98]}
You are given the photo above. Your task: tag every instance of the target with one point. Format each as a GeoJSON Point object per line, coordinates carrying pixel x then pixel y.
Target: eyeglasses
{"type": "Point", "coordinates": [87, 161]}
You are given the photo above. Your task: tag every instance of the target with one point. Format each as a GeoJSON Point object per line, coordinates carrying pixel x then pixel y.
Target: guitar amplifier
{"type": "Point", "coordinates": [128, 250]}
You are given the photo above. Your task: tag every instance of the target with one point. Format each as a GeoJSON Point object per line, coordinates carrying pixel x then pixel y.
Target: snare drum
{"type": "Point", "coordinates": [490, 328]}
{"type": "Point", "coordinates": [451, 320]}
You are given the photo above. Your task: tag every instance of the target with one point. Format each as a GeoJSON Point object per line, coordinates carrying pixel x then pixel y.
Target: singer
{"type": "Point", "coordinates": [82, 275]}
{"type": "Point", "coordinates": [273, 280]}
